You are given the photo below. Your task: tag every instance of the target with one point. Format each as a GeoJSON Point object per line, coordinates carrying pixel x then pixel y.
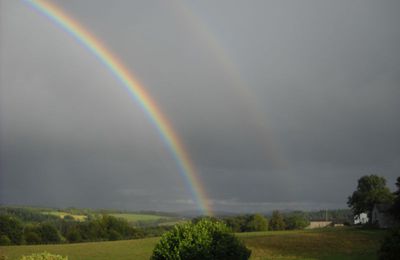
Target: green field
{"type": "Point", "coordinates": [133, 217]}
{"type": "Point", "coordinates": [338, 243]}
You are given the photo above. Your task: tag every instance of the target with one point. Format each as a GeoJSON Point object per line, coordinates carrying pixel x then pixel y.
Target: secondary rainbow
{"type": "Point", "coordinates": [252, 104]}
{"type": "Point", "coordinates": [137, 91]}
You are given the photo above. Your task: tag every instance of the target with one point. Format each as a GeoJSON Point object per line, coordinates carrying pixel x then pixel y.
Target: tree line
{"type": "Point", "coordinates": [13, 231]}
{"type": "Point", "coordinates": [259, 222]}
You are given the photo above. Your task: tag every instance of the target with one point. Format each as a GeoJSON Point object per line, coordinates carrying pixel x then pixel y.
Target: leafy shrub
{"type": "Point", "coordinates": [114, 235]}
{"type": "Point", "coordinates": [390, 248]}
{"type": "Point", "coordinates": [49, 233]}
{"type": "Point", "coordinates": [32, 238]}
{"type": "Point", "coordinates": [5, 240]}
{"type": "Point", "coordinates": [68, 218]}
{"type": "Point", "coordinates": [277, 222]}
{"type": "Point", "coordinates": [43, 256]}
{"type": "Point", "coordinates": [74, 235]}
{"type": "Point", "coordinates": [257, 222]}
{"type": "Point", "coordinates": [204, 240]}
{"type": "Point", "coordinates": [11, 228]}
{"type": "Point", "coordinates": [296, 221]}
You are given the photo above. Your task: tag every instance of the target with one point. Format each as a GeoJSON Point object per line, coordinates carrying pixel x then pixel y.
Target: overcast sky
{"type": "Point", "coordinates": [280, 104]}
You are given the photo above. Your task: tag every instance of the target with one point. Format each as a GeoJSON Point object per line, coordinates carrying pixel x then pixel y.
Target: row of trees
{"type": "Point", "coordinates": [15, 232]}
{"type": "Point", "coordinates": [258, 222]}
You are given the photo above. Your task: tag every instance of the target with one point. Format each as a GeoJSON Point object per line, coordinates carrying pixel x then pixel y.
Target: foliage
{"type": "Point", "coordinates": [32, 238]}
{"type": "Point", "coordinates": [296, 221]}
{"type": "Point", "coordinates": [48, 233]}
{"type": "Point", "coordinates": [43, 256]}
{"type": "Point", "coordinates": [11, 230]}
{"type": "Point", "coordinates": [390, 248]}
{"type": "Point", "coordinates": [257, 222]}
{"type": "Point", "coordinates": [78, 225]}
{"type": "Point", "coordinates": [5, 240]}
{"type": "Point", "coordinates": [395, 210]}
{"type": "Point", "coordinates": [27, 214]}
{"type": "Point", "coordinates": [370, 190]}
{"type": "Point", "coordinates": [236, 223]}
{"type": "Point", "coordinates": [73, 235]}
{"type": "Point", "coordinates": [68, 218]}
{"type": "Point", "coordinates": [276, 222]}
{"type": "Point", "coordinates": [204, 240]}
{"type": "Point", "coordinates": [246, 223]}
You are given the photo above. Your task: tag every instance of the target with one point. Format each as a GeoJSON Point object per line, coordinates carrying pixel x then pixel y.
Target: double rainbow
{"type": "Point", "coordinates": [138, 93]}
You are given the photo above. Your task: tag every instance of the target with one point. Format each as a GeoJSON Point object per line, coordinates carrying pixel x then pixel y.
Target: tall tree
{"type": "Point", "coordinates": [257, 222]}
{"type": "Point", "coordinates": [276, 222]}
{"type": "Point", "coordinates": [371, 190]}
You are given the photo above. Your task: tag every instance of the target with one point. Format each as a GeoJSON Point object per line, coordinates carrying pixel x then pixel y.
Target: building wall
{"type": "Point", "coordinates": [319, 224]}
{"type": "Point", "coordinates": [382, 219]}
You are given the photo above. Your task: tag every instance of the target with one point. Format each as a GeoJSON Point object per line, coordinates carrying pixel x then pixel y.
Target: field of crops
{"type": "Point", "coordinates": [338, 243]}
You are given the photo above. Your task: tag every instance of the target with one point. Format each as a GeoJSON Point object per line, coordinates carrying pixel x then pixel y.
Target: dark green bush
{"type": "Point", "coordinates": [32, 238]}
{"type": "Point", "coordinates": [204, 240]}
{"type": "Point", "coordinates": [390, 248]}
{"type": "Point", "coordinates": [296, 221]}
{"type": "Point", "coordinates": [5, 240]}
{"type": "Point", "coordinates": [49, 233]}
{"type": "Point", "coordinates": [114, 235]}
{"type": "Point", "coordinates": [73, 235]}
{"type": "Point", "coordinates": [11, 228]}
{"type": "Point", "coordinates": [68, 218]}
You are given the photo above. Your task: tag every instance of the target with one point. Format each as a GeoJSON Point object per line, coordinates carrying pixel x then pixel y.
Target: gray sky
{"type": "Point", "coordinates": [281, 104]}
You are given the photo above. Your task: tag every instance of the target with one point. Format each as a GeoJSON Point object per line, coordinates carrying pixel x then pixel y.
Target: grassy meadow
{"type": "Point", "coordinates": [331, 243]}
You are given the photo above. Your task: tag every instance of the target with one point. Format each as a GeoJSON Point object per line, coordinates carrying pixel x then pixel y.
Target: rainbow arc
{"type": "Point", "coordinates": [137, 92]}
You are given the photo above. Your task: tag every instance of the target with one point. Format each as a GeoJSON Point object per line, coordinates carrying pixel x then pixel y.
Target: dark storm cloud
{"type": "Point", "coordinates": [325, 77]}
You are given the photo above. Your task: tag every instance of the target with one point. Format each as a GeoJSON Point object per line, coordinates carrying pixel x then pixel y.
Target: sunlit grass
{"type": "Point", "coordinates": [62, 214]}
{"type": "Point", "coordinates": [326, 244]}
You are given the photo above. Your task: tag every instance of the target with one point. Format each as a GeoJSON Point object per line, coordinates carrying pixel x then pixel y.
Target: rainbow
{"type": "Point", "coordinates": [250, 101]}
{"type": "Point", "coordinates": [137, 92]}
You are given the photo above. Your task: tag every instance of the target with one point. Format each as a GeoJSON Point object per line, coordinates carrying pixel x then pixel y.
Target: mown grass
{"type": "Point", "coordinates": [325, 244]}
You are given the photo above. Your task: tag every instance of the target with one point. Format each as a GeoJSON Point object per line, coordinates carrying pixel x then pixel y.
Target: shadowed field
{"type": "Point", "coordinates": [340, 243]}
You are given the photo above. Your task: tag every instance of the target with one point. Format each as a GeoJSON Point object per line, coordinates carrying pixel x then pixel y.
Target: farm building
{"type": "Point", "coordinates": [381, 217]}
{"type": "Point", "coordinates": [319, 224]}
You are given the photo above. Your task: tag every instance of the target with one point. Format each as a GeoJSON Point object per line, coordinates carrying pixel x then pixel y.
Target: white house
{"type": "Point", "coordinates": [361, 219]}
